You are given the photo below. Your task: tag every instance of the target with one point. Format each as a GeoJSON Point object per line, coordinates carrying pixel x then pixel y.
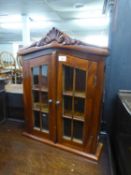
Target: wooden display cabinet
{"type": "Point", "coordinates": [63, 87]}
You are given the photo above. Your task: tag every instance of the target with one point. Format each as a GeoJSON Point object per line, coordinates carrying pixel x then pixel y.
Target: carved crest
{"type": "Point", "coordinates": [57, 36]}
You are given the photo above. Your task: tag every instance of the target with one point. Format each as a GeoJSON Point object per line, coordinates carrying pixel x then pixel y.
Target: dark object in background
{"type": "Point", "coordinates": [14, 102]}
{"type": "Point", "coordinates": [2, 100]}
{"type": "Point", "coordinates": [122, 139]}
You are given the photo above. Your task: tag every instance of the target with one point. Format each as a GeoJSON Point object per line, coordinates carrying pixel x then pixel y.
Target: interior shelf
{"type": "Point", "coordinates": [35, 88]}
{"type": "Point", "coordinates": [43, 89]}
{"type": "Point", "coordinates": [44, 109]}
{"type": "Point", "coordinates": [68, 93]}
{"type": "Point", "coordinates": [77, 140]}
{"type": "Point", "coordinates": [40, 107]}
{"type": "Point", "coordinates": [80, 94]}
{"type": "Point", "coordinates": [76, 94]}
{"type": "Point", "coordinates": [67, 114]}
{"type": "Point", "coordinates": [36, 105]}
{"type": "Point", "coordinates": [36, 109]}
{"type": "Point", "coordinates": [79, 114]}
{"type": "Point", "coordinates": [67, 138]}
{"type": "Point", "coordinates": [36, 128]}
{"type": "Point", "coordinates": [78, 118]}
{"type": "Point", "coordinates": [45, 131]}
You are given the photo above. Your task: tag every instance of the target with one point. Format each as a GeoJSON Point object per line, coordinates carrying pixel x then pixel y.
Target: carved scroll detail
{"type": "Point", "coordinates": [59, 37]}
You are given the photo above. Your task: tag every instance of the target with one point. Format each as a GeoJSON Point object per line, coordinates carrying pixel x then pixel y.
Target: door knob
{"type": "Point", "coordinates": [57, 102]}
{"type": "Point", "coordinates": [50, 101]}
{"type": "Point", "coordinates": [44, 115]}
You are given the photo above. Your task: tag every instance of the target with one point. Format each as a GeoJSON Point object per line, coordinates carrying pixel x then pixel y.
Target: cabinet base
{"type": "Point", "coordinates": [94, 157]}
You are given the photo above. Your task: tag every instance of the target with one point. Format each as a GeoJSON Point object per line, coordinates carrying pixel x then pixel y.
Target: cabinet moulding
{"type": "Point", "coordinates": [59, 40]}
{"type": "Point", "coordinates": [54, 35]}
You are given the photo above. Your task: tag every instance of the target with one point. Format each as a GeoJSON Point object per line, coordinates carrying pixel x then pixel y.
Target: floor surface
{"type": "Point", "coordinates": [23, 156]}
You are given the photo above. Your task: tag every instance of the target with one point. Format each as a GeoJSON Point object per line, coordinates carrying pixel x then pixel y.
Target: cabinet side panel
{"type": "Point", "coordinates": [97, 106]}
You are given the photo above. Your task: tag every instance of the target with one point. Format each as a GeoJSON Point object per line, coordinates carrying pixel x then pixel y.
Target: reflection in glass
{"type": "Point", "coordinates": [67, 128]}
{"type": "Point", "coordinates": [80, 83]}
{"type": "Point", "coordinates": [35, 74]}
{"type": "Point", "coordinates": [77, 131]}
{"type": "Point", "coordinates": [68, 79]}
{"type": "Point", "coordinates": [36, 101]}
{"type": "Point", "coordinates": [44, 101]}
{"type": "Point", "coordinates": [36, 119]}
{"type": "Point", "coordinates": [44, 79]}
{"type": "Point", "coordinates": [45, 122]}
{"type": "Point", "coordinates": [79, 104]}
{"type": "Point", "coordinates": [67, 105]}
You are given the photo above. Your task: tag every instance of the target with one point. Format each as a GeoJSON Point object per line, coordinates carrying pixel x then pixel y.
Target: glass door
{"type": "Point", "coordinates": [73, 101]}
{"type": "Point", "coordinates": [42, 97]}
{"type": "Point", "coordinates": [75, 105]}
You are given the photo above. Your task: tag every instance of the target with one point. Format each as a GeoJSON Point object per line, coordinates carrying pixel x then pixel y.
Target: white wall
{"type": "Point", "coordinates": [12, 48]}
{"type": "Point", "coordinates": [6, 47]}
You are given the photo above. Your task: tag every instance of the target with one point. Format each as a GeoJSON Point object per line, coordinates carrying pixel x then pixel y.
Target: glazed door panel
{"type": "Point", "coordinates": [75, 91]}
{"type": "Point", "coordinates": [42, 97]}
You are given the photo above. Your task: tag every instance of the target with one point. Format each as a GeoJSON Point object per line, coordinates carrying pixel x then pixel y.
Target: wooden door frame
{"type": "Point", "coordinates": [28, 65]}
{"type": "Point", "coordinates": [80, 64]}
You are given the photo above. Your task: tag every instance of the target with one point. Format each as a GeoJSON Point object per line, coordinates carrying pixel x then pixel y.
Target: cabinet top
{"type": "Point", "coordinates": [56, 39]}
